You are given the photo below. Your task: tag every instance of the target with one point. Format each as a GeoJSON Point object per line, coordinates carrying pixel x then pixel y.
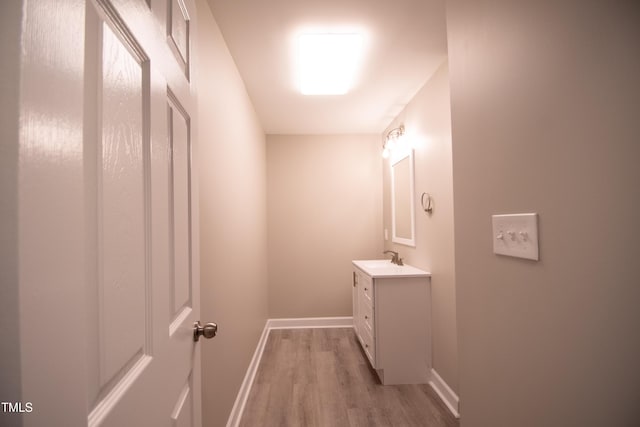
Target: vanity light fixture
{"type": "Point", "coordinates": [328, 62]}
{"type": "Point", "coordinates": [391, 140]}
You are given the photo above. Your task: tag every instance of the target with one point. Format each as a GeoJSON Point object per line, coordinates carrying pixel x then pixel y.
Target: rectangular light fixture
{"type": "Point", "coordinates": [327, 63]}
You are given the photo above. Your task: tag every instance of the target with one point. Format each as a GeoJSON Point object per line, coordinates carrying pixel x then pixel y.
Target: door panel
{"type": "Point", "coordinates": [123, 212]}
{"type": "Point", "coordinates": [182, 415]}
{"type": "Point", "coordinates": [178, 33]}
{"type": "Point", "coordinates": [180, 149]}
{"type": "Point", "coordinates": [118, 214]}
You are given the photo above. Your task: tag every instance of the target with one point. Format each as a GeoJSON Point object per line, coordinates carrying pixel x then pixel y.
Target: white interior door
{"type": "Point", "coordinates": [107, 231]}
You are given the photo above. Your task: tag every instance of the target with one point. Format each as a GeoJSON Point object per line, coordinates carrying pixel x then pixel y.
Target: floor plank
{"type": "Point", "coordinates": [321, 378]}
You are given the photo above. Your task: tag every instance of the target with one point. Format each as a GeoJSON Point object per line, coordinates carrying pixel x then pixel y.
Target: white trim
{"type": "Point", "coordinates": [308, 322]}
{"type": "Point", "coordinates": [447, 395]}
{"type": "Point", "coordinates": [311, 322]}
{"type": "Point", "coordinates": [245, 387]}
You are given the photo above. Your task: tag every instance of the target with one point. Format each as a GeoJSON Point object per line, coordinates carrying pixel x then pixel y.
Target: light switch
{"type": "Point", "coordinates": [516, 235]}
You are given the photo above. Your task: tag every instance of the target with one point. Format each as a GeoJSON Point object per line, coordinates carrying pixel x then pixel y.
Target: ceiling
{"type": "Point", "coordinates": [405, 42]}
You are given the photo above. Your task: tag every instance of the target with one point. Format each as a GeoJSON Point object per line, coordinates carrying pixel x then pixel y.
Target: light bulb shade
{"type": "Point", "coordinates": [328, 63]}
{"type": "Point", "coordinates": [392, 141]}
{"type": "Point", "coordinates": [395, 134]}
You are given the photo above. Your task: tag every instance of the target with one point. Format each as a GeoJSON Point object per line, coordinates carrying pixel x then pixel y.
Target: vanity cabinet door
{"type": "Point", "coordinates": [369, 346]}
{"type": "Point", "coordinates": [367, 289]}
{"type": "Point", "coordinates": [366, 318]}
{"type": "Point", "coordinates": [363, 313]}
{"type": "Point", "coordinates": [368, 330]}
{"type": "Point", "coordinates": [360, 282]}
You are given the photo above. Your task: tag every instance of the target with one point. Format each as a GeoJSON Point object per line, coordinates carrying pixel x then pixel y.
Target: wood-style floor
{"type": "Point", "coordinates": [321, 377]}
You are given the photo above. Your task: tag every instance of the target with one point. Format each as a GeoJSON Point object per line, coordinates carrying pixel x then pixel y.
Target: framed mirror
{"type": "Point", "coordinates": [402, 199]}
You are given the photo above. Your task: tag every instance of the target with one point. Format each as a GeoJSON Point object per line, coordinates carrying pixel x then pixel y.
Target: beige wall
{"type": "Point", "coordinates": [232, 221]}
{"type": "Point", "coordinates": [545, 104]}
{"type": "Point", "coordinates": [427, 122]}
{"type": "Point", "coordinates": [324, 210]}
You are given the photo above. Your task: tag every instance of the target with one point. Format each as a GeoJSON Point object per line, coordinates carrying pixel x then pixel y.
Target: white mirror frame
{"type": "Point", "coordinates": [398, 157]}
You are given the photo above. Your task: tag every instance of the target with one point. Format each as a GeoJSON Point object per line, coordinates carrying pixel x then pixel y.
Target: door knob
{"type": "Point", "coordinates": [208, 331]}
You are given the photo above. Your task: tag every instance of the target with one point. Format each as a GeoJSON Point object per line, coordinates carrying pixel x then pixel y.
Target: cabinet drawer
{"type": "Point", "coordinates": [369, 347]}
{"type": "Point", "coordinates": [366, 286]}
{"type": "Point", "coordinates": [366, 316]}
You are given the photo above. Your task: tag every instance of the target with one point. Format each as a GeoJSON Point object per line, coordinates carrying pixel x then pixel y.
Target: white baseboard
{"type": "Point", "coordinates": [308, 322]}
{"type": "Point", "coordinates": [245, 387]}
{"type": "Point", "coordinates": [311, 322]}
{"type": "Point", "coordinates": [447, 395]}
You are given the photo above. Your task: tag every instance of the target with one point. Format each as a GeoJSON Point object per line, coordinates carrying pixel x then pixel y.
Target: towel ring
{"type": "Point", "coordinates": [427, 204]}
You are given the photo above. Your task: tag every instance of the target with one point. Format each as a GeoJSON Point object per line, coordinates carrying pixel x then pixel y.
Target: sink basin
{"type": "Point", "coordinates": [385, 268]}
{"type": "Point", "coordinates": [379, 263]}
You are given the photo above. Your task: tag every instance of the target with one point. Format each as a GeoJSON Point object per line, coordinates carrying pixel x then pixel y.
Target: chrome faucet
{"type": "Point", "coordinates": [395, 258]}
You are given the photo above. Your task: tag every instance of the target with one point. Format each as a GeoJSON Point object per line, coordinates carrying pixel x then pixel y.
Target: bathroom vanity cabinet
{"type": "Point", "coordinates": [391, 317]}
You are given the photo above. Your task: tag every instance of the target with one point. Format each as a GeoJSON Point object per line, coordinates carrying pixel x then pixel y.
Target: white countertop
{"type": "Point", "coordinates": [383, 268]}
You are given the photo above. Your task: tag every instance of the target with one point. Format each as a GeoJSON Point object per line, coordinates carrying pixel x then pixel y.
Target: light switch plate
{"type": "Point", "coordinates": [516, 235]}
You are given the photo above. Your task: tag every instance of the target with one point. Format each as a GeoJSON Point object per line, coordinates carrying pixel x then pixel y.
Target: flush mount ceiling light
{"type": "Point", "coordinates": [327, 62]}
